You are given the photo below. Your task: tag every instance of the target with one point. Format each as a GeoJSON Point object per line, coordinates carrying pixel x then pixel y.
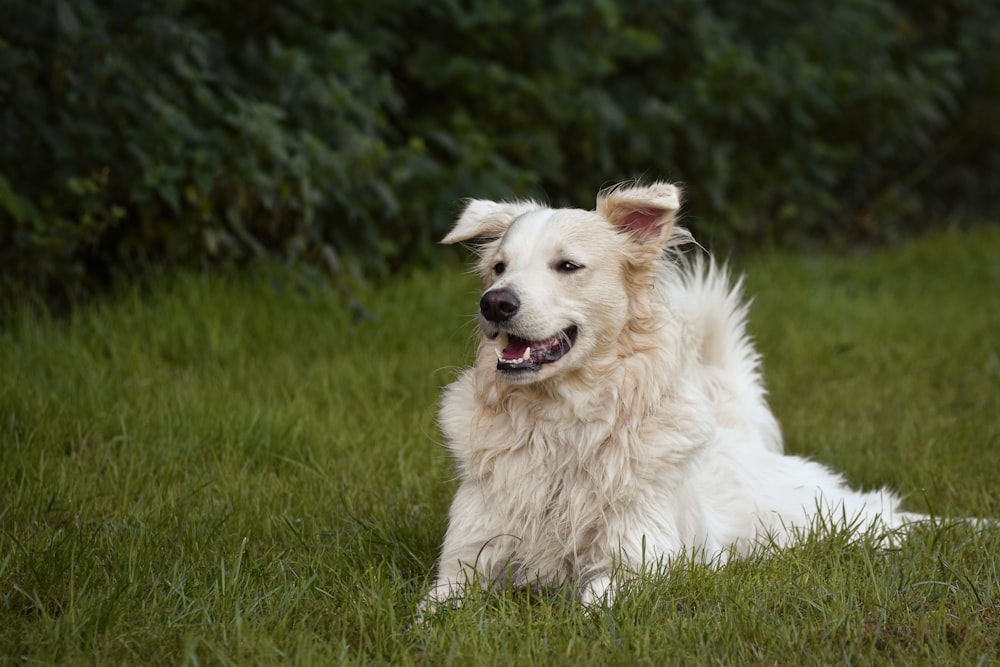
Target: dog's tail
{"type": "Point", "coordinates": [716, 313]}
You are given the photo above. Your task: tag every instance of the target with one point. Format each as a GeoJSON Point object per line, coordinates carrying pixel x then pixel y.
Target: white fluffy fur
{"type": "Point", "coordinates": [651, 438]}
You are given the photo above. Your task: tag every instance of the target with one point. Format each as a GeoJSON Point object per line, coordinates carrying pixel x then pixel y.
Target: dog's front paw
{"type": "Point", "coordinates": [441, 597]}
{"type": "Point", "coordinates": [597, 593]}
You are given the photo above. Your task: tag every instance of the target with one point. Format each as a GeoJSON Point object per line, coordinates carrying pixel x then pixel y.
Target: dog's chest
{"type": "Point", "coordinates": [549, 479]}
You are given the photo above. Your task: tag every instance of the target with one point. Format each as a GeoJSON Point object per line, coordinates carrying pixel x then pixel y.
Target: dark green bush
{"type": "Point", "coordinates": [179, 130]}
{"type": "Point", "coordinates": [346, 133]}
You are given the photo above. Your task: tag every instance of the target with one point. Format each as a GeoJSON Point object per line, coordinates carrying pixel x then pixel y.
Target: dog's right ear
{"type": "Point", "coordinates": [486, 219]}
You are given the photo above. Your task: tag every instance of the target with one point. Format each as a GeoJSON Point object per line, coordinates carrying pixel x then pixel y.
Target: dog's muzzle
{"type": "Point", "coordinates": [517, 354]}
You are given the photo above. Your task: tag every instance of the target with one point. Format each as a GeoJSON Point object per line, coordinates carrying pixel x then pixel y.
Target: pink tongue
{"type": "Point", "coordinates": [516, 348]}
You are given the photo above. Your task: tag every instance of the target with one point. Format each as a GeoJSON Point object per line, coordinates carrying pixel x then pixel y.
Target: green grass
{"type": "Point", "coordinates": [234, 472]}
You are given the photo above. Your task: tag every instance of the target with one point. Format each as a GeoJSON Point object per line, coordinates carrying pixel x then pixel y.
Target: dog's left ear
{"type": "Point", "coordinates": [487, 219]}
{"type": "Point", "coordinates": [644, 212]}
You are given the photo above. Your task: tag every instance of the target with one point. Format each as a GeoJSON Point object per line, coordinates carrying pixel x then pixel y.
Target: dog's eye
{"type": "Point", "coordinates": [567, 266]}
{"type": "Point", "coordinates": [499, 268]}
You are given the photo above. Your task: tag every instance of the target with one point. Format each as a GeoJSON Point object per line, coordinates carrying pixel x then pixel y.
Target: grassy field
{"type": "Point", "coordinates": [225, 471]}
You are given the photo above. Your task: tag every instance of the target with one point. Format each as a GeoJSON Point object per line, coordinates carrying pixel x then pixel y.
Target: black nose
{"type": "Point", "coordinates": [499, 305]}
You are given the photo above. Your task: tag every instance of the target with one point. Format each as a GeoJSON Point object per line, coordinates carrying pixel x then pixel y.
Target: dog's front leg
{"type": "Point", "coordinates": [474, 549]}
{"type": "Point", "coordinates": [640, 549]}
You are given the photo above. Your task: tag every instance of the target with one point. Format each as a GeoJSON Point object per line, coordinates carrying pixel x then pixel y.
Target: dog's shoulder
{"type": "Point", "coordinates": [458, 407]}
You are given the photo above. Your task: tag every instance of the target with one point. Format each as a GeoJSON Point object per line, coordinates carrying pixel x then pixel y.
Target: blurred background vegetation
{"type": "Point", "coordinates": [136, 135]}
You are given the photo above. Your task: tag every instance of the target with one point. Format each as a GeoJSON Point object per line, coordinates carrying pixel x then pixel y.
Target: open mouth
{"type": "Point", "coordinates": [525, 355]}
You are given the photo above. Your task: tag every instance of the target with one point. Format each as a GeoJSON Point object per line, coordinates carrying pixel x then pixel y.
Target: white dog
{"type": "Point", "coordinates": [615, 416]}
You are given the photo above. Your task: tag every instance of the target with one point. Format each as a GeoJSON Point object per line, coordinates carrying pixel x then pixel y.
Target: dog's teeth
{"type": "Point", "coordinates": [527, 353]}
{"type": "Point", "coordinates": [499, 353]}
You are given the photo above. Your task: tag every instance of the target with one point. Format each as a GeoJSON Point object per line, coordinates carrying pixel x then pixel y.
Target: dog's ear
{"type": "Point", "coordinates": [644, 212]}
{"type": "Point", "coordinates": [487, 219]}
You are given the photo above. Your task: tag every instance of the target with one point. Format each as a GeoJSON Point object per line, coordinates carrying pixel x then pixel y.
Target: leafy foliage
{"type": "Point", "coordinates": [345, 133]}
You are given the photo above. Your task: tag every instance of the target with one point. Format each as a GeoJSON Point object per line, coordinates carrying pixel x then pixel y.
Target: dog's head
{"type": "Point", "coordinates": [559, 285]}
